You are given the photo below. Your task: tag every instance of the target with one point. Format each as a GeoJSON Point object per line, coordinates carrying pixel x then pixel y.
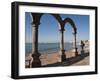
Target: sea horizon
{"type": "Point", "coordinates": [45, 48]}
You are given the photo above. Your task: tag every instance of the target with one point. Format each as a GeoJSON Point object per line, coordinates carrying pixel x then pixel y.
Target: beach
{"type": "Point", "coordinates": [55, 58]}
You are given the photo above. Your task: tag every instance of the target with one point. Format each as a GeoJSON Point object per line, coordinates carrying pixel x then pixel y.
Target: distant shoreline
{"type": "Point", "coordinates": [47, 47]}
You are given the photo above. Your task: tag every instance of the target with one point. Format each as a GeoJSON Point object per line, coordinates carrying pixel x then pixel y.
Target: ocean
{"type": "Point", "coordinates": [45, 48]}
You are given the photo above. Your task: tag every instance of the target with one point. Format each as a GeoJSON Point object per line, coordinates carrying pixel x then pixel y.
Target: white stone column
{"type": "Point", "coordinates": [34, 38]}
{"type": "Point", "coordinates": [62, 51]}
{"type": "Point", "coordinates": [75, 43]}
{"type": "Point", "coordinates": [35, 54]}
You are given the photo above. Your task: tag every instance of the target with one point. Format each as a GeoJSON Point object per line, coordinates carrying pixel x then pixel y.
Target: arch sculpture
{"type": "Point", "coordinates": [35, 25]}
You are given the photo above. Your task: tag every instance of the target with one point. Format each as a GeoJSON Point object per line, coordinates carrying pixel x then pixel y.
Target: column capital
{"type": "Point", "coordinates": [35, 26]}
{"type": "Point", "coordinates": [74, 32]}
{"type": "Point", "coordinates": [61, 30]}
{"type": "Point", "coordinates": [35, 23]}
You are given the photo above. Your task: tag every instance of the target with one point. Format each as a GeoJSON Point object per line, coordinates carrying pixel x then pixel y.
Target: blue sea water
{"type": "Point", "coordinates": [47, 47]}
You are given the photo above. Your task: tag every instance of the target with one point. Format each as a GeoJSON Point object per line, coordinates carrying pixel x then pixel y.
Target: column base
{"type": "Point", "coordinates": [82, 51]}
{"type": "Point", "coordinates": [63, 56]}
{"type": "Point", "coordinates": [36, 60]}
{"type": "Point", "coordinates": [76, 52]}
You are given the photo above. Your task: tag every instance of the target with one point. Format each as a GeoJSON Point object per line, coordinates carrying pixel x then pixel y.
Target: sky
{"type": "Point", "coordinates": [49, 29]}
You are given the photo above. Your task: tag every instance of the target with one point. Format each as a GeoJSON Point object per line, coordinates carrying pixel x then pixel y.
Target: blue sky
{"type": "Point", "coordinates": [49, 30]}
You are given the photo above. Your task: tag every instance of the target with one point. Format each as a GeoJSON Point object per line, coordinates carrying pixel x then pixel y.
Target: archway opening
{"type": "Point", "coordinates": [69, 41]}
{"type": "Point", "coordinates": [48, 39]}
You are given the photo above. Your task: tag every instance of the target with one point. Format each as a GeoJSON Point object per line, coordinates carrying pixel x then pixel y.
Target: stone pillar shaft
{"type": "Point", "coordinates": [75, 44]}
{"type": "Point", "coordinates": [62, 51]}
{"type": "Point", "coordinates": [61, 40]}
{"type": "Point", "coordinates": [35, 54]}
{"type": "Point", "coordinates": [34, 38]}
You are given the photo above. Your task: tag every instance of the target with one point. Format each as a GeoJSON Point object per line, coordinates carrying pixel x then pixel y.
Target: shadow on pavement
{"type": "Point", "coordinates": [68, 61]}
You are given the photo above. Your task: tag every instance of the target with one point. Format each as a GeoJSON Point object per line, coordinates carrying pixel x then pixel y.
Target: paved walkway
{"type": "Point", "coordinates": [78, 60]}
{"type": "Point", "coordinates": [54, 59]}
{"type": "Point", "coordinates": [85, 61]}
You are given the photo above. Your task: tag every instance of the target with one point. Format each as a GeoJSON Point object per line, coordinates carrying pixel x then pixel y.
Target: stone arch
{"type": "Point", "coordinates": [62, 24]}
{"type": "Point", "coordinates": [56, 16]}
{"type": "Point", "coordinates": [71, 22]}
{"type": "Point", "coordinates": [36, 17]}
